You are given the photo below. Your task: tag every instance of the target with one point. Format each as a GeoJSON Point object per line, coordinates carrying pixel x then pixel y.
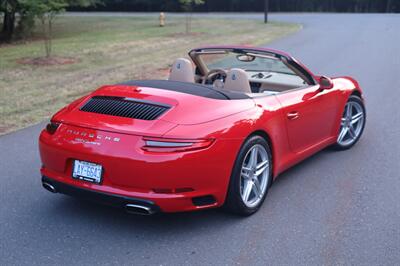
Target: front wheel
{"type": "Point", "coordinates": [352, 123]}
{"type": "Point", "coordinates": [251, 177]}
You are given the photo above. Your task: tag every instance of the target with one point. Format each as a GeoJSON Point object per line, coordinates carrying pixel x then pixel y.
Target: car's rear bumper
{"type": "Point", "coordinates": [173, 182]}
{"type": "Point", "coordinates": [156, 202]}
{"type": "Point", "coordinates": [134, 205]}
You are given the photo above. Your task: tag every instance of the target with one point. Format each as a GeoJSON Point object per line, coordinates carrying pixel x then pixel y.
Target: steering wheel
{"type": "Point", "coordinates": [215, 74]}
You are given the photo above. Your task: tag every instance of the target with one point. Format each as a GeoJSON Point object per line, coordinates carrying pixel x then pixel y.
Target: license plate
{"type": "Point", "coordinates": [87, 171]}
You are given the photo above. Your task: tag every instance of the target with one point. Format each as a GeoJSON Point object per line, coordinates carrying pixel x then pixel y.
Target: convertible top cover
{"type": "Point", "coordinates": [189, 88]}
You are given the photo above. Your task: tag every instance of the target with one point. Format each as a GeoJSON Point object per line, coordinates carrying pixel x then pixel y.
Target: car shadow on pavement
{"type": "Point", "coordinates": [107, 216]}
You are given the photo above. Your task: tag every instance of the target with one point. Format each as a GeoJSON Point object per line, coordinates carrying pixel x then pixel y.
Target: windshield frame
{"type": "Point", "coordinates": [286, 59]}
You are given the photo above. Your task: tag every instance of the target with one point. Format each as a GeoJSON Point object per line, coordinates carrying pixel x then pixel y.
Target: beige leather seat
{"type": "Point", "coordinates": [237, 80]}
{"type": "Point", "coordinates": [182, 70]}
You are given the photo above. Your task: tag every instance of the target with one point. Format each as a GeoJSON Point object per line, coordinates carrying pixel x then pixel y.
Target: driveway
{"type": "Point", "coordinates": [334, 208]}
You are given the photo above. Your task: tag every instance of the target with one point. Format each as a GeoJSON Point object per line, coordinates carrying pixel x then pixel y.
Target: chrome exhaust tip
{"type": "Point", "coordinates": [138, 209]}
{"type": "Point", "coordinates": [49, 187]}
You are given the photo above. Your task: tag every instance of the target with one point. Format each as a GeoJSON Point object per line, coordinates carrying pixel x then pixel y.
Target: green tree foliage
{"type": "Point", "coordinates": [28, 10]}
{"type": "Point", "coordinates": [46, 11]}
{"type": "Point", "coordinates": [187, 5]}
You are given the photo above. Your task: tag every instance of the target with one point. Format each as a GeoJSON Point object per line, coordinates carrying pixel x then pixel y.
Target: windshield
{"type": "Point", "coordinates": [230, 60]}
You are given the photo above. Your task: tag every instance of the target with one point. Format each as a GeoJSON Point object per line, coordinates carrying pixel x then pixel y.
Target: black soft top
{"type": "Point", "coordinates": [189, 88]}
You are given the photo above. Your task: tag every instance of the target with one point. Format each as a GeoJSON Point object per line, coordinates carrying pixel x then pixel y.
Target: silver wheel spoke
{"type": "Point", "coordinates": [253, 158]}
{"type": "Point", "coordinates": [262, 164]}
{"type": "Point", "coordinates": [261, 167]}
{"type": "Point", "coordinates": [351, 132]}
{"type": "Point", "coordinates": [343, 133]}
{"type": "Point", "coordinates": [248, 186]}
{"type": "Point", "coordinates": [349, 110]}
{"type": "Point", "coordinates": [261, 170]}
{"type": "Point", "coordinates": [343, 121]}
{"type": "Point", "coordinates": [257, 188]}
{"type": "Point", "coordinates": [356, 118]}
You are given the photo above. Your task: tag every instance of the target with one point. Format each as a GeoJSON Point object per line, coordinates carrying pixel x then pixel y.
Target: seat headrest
{"type": "Point", "coordinates": [182, 70]}
{"type": "Point", "coordinates": [237, 80]}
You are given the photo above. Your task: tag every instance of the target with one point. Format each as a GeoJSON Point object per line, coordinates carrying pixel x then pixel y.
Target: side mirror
{"type": "Point", "coordinates": [325, 83]}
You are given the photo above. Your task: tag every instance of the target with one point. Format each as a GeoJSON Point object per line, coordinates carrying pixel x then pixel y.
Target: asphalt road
{"type": "Point", "coordinates": [334, 208]}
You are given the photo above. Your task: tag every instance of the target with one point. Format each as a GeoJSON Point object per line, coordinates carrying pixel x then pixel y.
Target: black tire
{"type": "Point", "coordinates": [337, 146]}
{"type": "Point", "coordinates": [234, 202]}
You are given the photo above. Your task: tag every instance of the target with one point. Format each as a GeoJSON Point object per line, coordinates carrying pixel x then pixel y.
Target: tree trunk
{"type": "Point", "coordinates": [8, 26]}
{"type": "Point", "coordinates": [389, 6]}
{"type": "Point", "coordinates": [187, 28]}
{"type": "Point", "coordinates": [50, 37]}
{"type": "Point", "coordinates": [46, 38]}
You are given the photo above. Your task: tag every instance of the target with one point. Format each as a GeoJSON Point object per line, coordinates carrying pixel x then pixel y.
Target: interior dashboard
{"type": "Point", "coordinates": [273, 81]}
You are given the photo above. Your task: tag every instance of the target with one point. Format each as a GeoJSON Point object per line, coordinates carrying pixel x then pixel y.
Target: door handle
{"type": "Point", "coordinates": [293, 115]}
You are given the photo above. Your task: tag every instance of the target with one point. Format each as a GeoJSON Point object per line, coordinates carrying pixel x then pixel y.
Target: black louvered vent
{"type": "Point", "coordinates": [124, 107]}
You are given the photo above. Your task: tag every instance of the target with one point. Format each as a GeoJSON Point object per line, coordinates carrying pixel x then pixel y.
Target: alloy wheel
{"type": "Point", "coordinates": [351, 124]}
{"type": "Point", "coordinates": [254, 175]}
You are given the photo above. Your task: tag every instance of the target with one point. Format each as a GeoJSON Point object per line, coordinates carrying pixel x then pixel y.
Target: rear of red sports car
{"type": "Point", "coordinates": [144, 147]}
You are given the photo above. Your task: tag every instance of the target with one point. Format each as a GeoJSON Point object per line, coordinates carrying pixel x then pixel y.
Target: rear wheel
{"type": "Point", "coordinates": [251, 177]}
{"type": "Point", "coordinates": [352, 124]}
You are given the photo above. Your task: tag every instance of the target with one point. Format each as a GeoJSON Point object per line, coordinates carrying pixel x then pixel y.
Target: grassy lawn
{"type": "Point", "coordinates": [108, 50]}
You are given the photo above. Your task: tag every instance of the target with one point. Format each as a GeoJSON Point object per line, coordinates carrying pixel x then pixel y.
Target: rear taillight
{"type": "Point", "coordinates": [51, 127]}
{"type": "Point", "coordinates": [175, 145]}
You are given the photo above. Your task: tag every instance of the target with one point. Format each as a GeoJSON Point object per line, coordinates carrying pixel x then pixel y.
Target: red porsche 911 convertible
{"type": "Point", "coordinates": [216, 133]}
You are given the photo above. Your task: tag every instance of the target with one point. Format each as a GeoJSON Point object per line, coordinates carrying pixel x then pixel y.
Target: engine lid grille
{"type": "Point", "coordinates": [125, 107]}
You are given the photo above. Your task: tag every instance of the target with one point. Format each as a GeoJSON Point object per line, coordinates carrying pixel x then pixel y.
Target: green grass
{"type": "Point", "coordinates": [109, 50]}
